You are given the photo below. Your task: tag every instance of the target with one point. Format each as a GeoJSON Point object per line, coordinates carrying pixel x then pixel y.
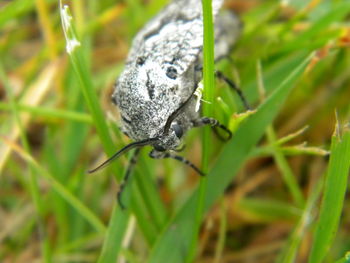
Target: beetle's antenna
{"type": "Point", "coordinates": [176, 113]}
{"type": "Point", "coordinates": [123, 150]}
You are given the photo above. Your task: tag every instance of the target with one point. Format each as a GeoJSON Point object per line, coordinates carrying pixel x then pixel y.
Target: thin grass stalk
{"type": "Point", "coordinates": [286, 171]}
{"type": "Point", "coordinates": [220, 246]}
{"type": "Point", "coordinates": [115, 233]}
{"type": "Point", "coordinates": [49, 113]}
{"type": "Point", "coordinates": [289, 254]}
{"type": "Point", "coordinates": [208, 79]}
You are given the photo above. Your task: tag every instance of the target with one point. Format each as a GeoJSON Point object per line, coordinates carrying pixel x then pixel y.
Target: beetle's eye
{"type": "Point", "coordinates": [178, 130]}
{"type": "Point", "coordinates": [140, 61]}
{"type": "Point", "coordinates": [171, 72]}
{"type": "Point", "coordinates": [159, 148]}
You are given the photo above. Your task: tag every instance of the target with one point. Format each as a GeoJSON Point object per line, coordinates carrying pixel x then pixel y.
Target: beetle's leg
{"type": "Point", "coordinates": [162, 155]}
{"type": "Point", "coordinates": [230, 83]}
{"type": "Point", "coordinates": [214, 124]}
{"type": "Point", "coordinates": [233, 86]}
{"type": "Point", "coordinates": [127, 175]}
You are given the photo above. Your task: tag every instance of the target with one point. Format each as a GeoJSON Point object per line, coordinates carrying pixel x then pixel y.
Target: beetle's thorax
{"type": "Point", "coordinates": [147, 94]}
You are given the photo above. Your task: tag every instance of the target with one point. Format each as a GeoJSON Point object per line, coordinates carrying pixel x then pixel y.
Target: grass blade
{"type": "Point", "coordinates": [80, 66]}
{"type": "Point", "coordinates": [117, 224]}
{"type": "Point", "coordinates": [287, 173]}
{"type": "Point", "coordinates": [345, 259]}
{"type": "Point", "coordinates": [114, 234]}
{"type": "Point", "coordinates": [209, 84]}
{"type": "Point", "coordinates": [333, 196]}
{"type": "Point", "coordinates": [50, 113]}
{"type": "Point", "coordinates": [289, 254]}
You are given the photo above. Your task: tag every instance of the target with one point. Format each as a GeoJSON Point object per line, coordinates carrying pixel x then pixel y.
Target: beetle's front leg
{"type": "Point", "coordinates": [127, 175]}
{"type": "Point", "coordinates": [162, 155]}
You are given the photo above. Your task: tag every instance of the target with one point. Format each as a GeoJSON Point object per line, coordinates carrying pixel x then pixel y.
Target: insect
{"type": "Point", "coordinates": [155, 94]}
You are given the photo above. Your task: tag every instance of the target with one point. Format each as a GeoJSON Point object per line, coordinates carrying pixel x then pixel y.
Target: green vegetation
{"type": "Point", "coordinates": [276, 192]}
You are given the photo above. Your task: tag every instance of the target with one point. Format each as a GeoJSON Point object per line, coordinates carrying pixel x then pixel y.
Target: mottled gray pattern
{"type": "Point", "coordinates": [161, 70]}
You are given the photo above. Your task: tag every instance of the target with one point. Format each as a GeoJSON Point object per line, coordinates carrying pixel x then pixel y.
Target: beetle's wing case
{"type": "Point", "coordinates": [160, 72]}
{"type": "Point", "coordinates": [145, 93]}
{"type": "Point", "coordinates": [178, 21]}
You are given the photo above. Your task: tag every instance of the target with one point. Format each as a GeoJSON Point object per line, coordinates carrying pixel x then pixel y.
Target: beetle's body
{"type": "Point", "coordinates": [163, 70]}
{"type": "Point", "coordinates": [155, 92]}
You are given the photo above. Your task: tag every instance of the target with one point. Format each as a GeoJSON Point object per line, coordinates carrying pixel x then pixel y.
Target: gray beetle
{"type": "Point", "coordinates": [155, 94]}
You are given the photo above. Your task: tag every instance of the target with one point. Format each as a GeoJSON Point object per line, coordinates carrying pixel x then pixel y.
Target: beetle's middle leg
{"type": "Point", "coordinates": [214, 124]}
{"type": "Point", "coordinates": [231, 84]}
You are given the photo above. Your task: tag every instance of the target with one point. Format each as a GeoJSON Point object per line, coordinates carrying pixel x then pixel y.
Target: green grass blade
{"type": "Point", "coordinates": [345, 259]}
{"type": "Point", "coordinates": [208, 77]}
{"type": "Point", "coordinates": [82, 72]}
{"type": "Point", "coordinates": [113, 239]}
{"type": "Point", "coordinates": [50, 113]}
{"type": "Point", "coordinates": [289, 254]}
{"type": "Point", "coordinates": [268, 210]}
{"type": "Point", "coordinates": [333, 195]}
{"type": "Point", "coordinates": [173, 245]}
{"type": "Point", "coordinates": [286, 171]}
{"type": "Point", "coordinates": [209, 84]}
{"type": "Point", "coordinates": [117, 224]}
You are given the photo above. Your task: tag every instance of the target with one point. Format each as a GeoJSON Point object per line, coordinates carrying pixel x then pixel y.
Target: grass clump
{"type": "Point", "coordinates": [260, 198]}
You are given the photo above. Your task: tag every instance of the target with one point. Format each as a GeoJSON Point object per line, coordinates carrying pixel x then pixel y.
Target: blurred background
{"type": "Point", "coordinates": [51, 210]}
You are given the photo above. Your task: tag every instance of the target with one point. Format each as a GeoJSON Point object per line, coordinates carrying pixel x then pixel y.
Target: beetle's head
{"type": "Point", "coordinates": [169, 140]}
